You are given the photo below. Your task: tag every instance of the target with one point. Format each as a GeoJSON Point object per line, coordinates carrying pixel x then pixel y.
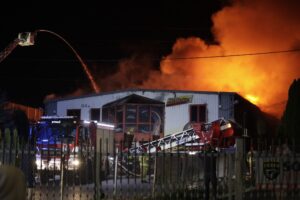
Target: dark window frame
{"type": "Point", "coordinates": [137, 123]}
{"type": "Point", "coordinates": [198, 110]}
{"type": "Point", "coordinates": [99, 114]}
{"type": "Point", "coordinates": [70, 112]}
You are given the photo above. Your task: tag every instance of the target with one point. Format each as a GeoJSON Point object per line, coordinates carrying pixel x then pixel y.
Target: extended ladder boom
{"type": "Point", "coordinates": [167, 142]}
{"type": "Point", "coordinates": [205, 133]}
{"type": "Point", "coordinates": [9, 49]}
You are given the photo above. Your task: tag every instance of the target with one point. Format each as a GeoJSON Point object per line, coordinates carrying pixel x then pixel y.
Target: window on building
{"type": "Point", "coordinates": [119, 119]}
{"type": "Point", "coordinates": [74, 112]}
{"type": "Point", "coordinates": [119, 114]}
{"type": "Point", "coordinates": [198, 113]}
{"type": "Point", "coordinates": [135, 118]}
{"type": "Point", "coordinates": [144, 114]}
{"type": "Point", "coordinates": [111, 115]}
{"type": "Point", "coordinates": [156, 119]}
{"type": "Point", "coordinates": [105, 114]}
{"type": "Point", "coordinates": [95, 114]}
{"type": "Point", "coordinates": [108, 114]}
{"type": "Point", "coordinates": [131, 114]}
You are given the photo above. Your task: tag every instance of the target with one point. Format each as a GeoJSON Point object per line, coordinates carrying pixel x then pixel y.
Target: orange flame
{"type": "Point", "coordinates": [247, 26]}
{"type": "Point", "coordinates": [263, 80]}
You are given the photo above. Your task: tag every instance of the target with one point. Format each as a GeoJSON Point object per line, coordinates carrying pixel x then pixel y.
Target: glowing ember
{"type": "Point", "coordinates": [252, 99]}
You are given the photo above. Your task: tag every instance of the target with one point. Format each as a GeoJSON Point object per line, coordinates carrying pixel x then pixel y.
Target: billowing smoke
{"type": "Point", "coordinates": [77, 92]}
{"type": "Point", "coordinates": [247, 26]}
{"type": "Point", "coordinates": [132, 73]}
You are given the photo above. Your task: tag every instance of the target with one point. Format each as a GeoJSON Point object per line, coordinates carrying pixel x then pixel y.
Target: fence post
{"type": "Point", "coordinates": [239, 162]}
{"type": "Point", "coordinates": [231, 173]}
{"type": "Point", "coordinates": [116, 173]}
{"type": "Point", "coordinates": [15, 148]}
{"type": "Point", "coordinates": [62, 176]}
{"type": "Point", "coordinates": [7, 146]}
{"type": "Point", "coordinates": [97, 165]}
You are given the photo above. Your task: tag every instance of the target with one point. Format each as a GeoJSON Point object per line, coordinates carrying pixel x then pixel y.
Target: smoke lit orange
{"type": "Point", "coordinates": [247, 26]}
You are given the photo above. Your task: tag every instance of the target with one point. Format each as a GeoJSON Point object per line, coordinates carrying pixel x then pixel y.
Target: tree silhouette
{"type": "Point", "coordinates": [5, 115]}
{"type": "Point", "coordinates": [13, 119]}
{"type": "Point", "coordinates": [290, 123]}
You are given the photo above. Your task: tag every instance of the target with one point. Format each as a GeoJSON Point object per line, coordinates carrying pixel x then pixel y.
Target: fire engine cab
{"type": "Point", "coordinates": [65, 143]}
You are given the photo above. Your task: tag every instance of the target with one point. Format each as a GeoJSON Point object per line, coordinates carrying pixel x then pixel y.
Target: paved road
{"type": "Point", "coordinates": [126, 188]}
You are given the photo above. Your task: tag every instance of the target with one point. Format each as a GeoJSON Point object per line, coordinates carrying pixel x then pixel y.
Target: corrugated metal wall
{"type": "Point", "coordinates": [179, 115]}
{"type": "Point", "coordinates": [226, 105]}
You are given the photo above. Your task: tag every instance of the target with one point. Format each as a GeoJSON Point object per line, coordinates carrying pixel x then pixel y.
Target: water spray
{"type": "Point", "coordinates": [27, 38]}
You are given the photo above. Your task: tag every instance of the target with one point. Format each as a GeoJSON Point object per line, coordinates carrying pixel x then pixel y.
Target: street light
{"type": "Point", "coordinates": [27, 38]}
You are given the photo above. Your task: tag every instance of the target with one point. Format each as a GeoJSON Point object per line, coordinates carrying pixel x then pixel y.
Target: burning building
{"type": "Point", "coordinates": [144, 112]}
{"type": "Point", "coordinates": [254, 52]}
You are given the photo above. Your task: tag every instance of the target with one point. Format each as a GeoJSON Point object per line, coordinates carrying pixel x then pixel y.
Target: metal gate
{"type": "Point", "coordinates": [173, 174]}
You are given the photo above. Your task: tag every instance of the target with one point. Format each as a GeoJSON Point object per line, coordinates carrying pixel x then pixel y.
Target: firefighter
{"type": "Point", "coordinates": [128, 139]}
{"type": "Point", "coordinates": [250, 158]}
{"type": "Point", "coordinates": [210, 175]}
{"type": "Point", "coordinates": [144, 166]}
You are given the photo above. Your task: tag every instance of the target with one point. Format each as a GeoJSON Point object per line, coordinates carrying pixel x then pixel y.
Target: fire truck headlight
{"type": "Point", "coordinates": [76, 162]}
{"type": "Point", "coordinates": [38, 162]}
{"type": "Point", "coordinates": [192, 152]}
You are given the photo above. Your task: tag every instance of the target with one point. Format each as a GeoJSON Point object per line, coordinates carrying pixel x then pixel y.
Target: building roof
{"type": "Point", "coordinates": [134, 90]}
{"type": "Point", "coordinates": [133, 98]}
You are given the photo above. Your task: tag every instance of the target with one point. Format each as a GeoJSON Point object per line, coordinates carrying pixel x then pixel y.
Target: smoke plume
{"type": "Point", "coordinates": [244, 27]}
{"type": "Point", "coordinates": [75, 93]}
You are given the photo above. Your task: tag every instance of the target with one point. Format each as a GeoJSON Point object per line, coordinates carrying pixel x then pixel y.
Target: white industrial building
{"type": "Point", "coordinates": [145, 112]}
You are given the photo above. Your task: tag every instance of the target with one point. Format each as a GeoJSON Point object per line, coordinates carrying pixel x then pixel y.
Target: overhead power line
{"type": "Point", "coordinates": [160, 59]}
{"type": "Point", "coordinates": [233, 55]}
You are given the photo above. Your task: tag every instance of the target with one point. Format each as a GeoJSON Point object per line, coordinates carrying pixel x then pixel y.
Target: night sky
{"type": "Point", "coordinates": [102, 33]}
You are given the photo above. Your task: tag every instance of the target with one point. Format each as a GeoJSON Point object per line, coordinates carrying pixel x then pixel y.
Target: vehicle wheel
{"type": "Point", "coordinates": [44, 177]}
{"type": "Point", "coordinates": [85, 174]}
{"type": "Point", "coordinates": [69, 177]}
{"type": "Point", "coordinates": [89, 171]}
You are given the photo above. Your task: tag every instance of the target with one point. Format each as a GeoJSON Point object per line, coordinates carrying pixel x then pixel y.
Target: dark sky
{"type": "Point", "coordinates": [103, 33]}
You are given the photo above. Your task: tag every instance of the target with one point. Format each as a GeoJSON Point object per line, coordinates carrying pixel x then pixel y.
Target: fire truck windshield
{"type": "Point", "coordinates": [56, 129]}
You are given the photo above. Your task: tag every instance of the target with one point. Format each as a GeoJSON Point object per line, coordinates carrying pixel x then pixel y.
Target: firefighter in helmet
{"type": "Point", "coordinates": [144, 166]}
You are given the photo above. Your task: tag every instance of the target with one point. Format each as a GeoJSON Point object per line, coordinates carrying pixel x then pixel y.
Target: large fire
{"type": "Point", "coordinates": [263, 80]}
{"type": "Point", "coordinates": [245, 27]}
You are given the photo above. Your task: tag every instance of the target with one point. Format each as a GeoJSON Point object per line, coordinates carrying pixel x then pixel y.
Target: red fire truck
{"type": "Point", "coordinates": [65, 147]}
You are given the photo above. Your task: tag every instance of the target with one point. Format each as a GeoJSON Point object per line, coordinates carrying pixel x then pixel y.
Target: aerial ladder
{"type": "Point", "coordinates": [27, 39]}
{"type": "Point", "coordinates": [201, 133]}
{"type": "Point", "coordinates": [23, 39]}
